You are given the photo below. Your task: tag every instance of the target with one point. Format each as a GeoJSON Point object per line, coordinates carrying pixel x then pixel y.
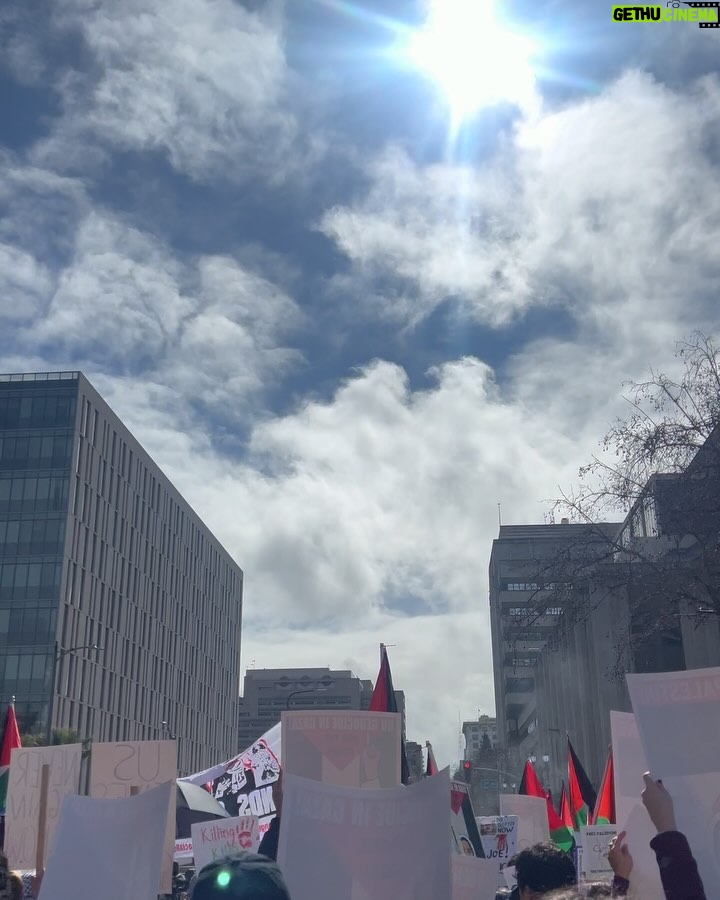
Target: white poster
{"type": "Point", "coordinates": [223, 837]}
{"type": "Point", "coordinates": [531, 815]}
{"type": "Point", "coordinates": [109, 849]}
{"type": "Point", "coordinates": [594, 858]}
{"type": "Point", "coordinates": [183, 850]}
{"type": "Point", "coordinates": [498, 835]}
{"type": "Point", "coordinates": [119, 769]}
{"type": "Point", "coordinates": [23, 799]}
{"type": "Point", "coordinates": [464, 832]}
{"type": "Point", "coordinates": [678, 717]}
{"type": "Point", "coordinates": [371, 845]}
{"type": "Point", "coordinates": [473, 879]}
{"type": "Point", "coordinates": [346, 748]}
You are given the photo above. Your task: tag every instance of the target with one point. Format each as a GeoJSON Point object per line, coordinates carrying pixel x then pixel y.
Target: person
{"type": "Point", "coordinates": [540, 869]}
{"type": "Point", "coordinates": [621, 862]}
{"type": "Point", "coordinates": [243, 876]}
{"type": "Point", "coordinates": [269, 843]}
{"type": "Point", "coordinates": [17, 887]}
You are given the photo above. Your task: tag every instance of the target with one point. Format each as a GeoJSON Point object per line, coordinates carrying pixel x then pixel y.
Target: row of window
{"type": "Point", "coordinates": [26, 494]}
{"type": "Point", "coordinates": [26, 672]}
{"type": "Point", "coordinates": [528, 611]}
{"type": "Point", "coordinates": [29, 581]}
{"type": "Point", "coordinates": [41, 410]}
{"type": "Point", "coordinates": [506, 585]}
{"type": "Point", "coordinates": [31, 537]}
{"type": "Point", "coordinates": [35, 452]}
{"type": "Point", "coordinates": [27, 624]}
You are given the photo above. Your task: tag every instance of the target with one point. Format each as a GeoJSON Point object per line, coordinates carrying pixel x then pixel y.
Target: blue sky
{"type": "Point", "coordinates": [344, 328]}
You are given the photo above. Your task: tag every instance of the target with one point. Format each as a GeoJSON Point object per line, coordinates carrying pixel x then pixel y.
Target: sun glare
{"type": "Point", "coordinates": [472, 58]}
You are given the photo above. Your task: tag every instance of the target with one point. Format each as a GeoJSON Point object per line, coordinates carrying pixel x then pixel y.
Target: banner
{"type": "Point", "coordinates": [677, 715]}
{"type": "Point", "coordinates": [344, 747]}
{"type": "Point", "coordinates": [244, 785]}
{"type": "Point", "coordinates": [223, 837]}
{"type": "Point", "coordinates": [498, 835]}
{"type": "Point", "coordinates": [473, 879]}
{"type": "Point", "coordinates": [109, 849]}
{"type": "Point", "coordinates": [594, 865]}
{"type": "Point", "coordinates": [532, 818]}
{"type": "Point", "coordinates": [119, 769]}
{"type": "Point", "coordinates": [23, 798]}
{"type": "Point", "coordinates": [352, 844]}
{"type": "Point", "coordinates": [464, 832]}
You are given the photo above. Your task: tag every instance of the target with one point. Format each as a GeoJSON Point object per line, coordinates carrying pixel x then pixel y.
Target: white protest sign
{"type": "Point", "coordinates": [532, 818]}
{"type": "Point", "coordinates": [473, 879]}
{"type": "Point", "coordinates": [351, 844]}
{"type": "Point", "coordinates": [183, 849]}
{"type": "Point", "coordinates": [223, 837]}
{"type": "Point", "coordinates": [498, 835]}
{"type": "Point", "coordinates": [678, 717]}
{"type": "Point", "coordinates": [463, 827]}
{"type": "Point", "coordinates": [119, 769]}
{"type": "Point", "coordinates": [595, 842]}
{"type": "Point", "coordinates": [346, 748]}
{"type": "Point", "coordinates": [111, 849]}
{"type": "Point", "coordinates": [23, 798]}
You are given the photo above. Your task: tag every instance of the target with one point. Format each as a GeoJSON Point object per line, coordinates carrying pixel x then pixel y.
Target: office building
{"type": "Point", "coordinates": [474, 732]}
{"type": "Point", "coordinates": [267, 692]}
{"type": "Point", "coordinates": [120, 612]}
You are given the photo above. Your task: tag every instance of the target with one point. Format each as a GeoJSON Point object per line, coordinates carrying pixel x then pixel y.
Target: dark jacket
{"type": "Point", "coordinates": [269, 844]}
{"type": "Point", "coordinates": [678, 870]}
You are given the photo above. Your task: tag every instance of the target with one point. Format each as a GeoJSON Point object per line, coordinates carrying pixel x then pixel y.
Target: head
{"type": "Point", "coordinates": [243, 876]}
{"type": "Point", "coordinates": [466, 847]}
{"type": "Point", "coordinates": [542, 868]}
{"type": "Point", "coordinates": [598, 889]}
{"type": "Point", "coordinates": [17, 888]}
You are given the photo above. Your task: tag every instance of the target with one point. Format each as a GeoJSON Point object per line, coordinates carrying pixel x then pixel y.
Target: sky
{"type": "Point", "coordinates": [347, 309]}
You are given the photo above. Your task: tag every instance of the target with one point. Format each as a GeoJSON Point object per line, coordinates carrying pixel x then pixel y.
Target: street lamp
{"type": "Point", "coordinates": [58, 655]}
{"type": "Point", "coordinates": [303, 691]}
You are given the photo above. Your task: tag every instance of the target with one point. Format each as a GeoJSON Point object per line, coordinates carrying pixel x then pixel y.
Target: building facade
{"type": "Point", "coordinates": [120, 613]}
{"type": "Point", "coordinates": [474, 732]}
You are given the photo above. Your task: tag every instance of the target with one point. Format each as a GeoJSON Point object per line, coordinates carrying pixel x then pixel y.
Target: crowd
{"type": "Point", "coordinates": [542, 871]}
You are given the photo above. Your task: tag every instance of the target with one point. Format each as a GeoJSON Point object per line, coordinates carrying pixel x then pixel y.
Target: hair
{"type": "Point", "coordinates": [17, 888]}
{"type": "Point", "coordinates": [543, 868]}
{"type": "Point", "coordinates": [243, 876]}
{"type": "Point", "coordinates": [598, 889]}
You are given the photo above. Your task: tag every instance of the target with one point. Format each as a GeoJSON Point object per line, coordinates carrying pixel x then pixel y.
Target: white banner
{"type": "Point", "coordinates": [223, 837]}
{"type": "Point", "coordinates": [531, 815]}
{"type": "Point", "coordinates": [269, 741]}
{"type": "Point", "coordinates": [346, 748]}
{"type": "Point", "coordinates": [23, 799]}
{"type": "Point", "coordinates": [118, 769]}
{"type": "Point", "coordinates": [595, 841]}
{"type": "Point", "coordinates": [351, 844]}
{"type": "Point", "coordinates": [678, 717]}
{"type": "Point", "coordinates": [473, 879]}
{"type": "Point", "coordinates": [109, 849]}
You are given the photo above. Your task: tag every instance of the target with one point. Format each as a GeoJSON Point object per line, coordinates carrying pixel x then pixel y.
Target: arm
{"type": "Point", "coordinates": [621, 862]}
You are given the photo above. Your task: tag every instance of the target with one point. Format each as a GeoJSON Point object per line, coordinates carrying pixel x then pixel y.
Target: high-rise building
{"type": "Point", "coordinates": [120, 612]}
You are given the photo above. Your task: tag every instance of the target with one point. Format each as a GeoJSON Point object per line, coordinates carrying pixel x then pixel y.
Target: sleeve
{"type": "Point", "coordinates": [620, 886]}
{"type": "Point", "coordinates": [269, 844]}
{"type": "Point", "coordinates": [678, 869]}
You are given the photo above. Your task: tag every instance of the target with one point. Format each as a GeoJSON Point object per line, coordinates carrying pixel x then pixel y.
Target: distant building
{"type": "Point", "coordinates": [474, 731]}
{"type": "Point", "coordinates": [267, 692]}
{"type": "Point", "coordinates": [415, 760]}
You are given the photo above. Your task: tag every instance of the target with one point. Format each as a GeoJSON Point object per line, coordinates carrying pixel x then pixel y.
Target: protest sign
{"type": "Point", "coordinates": [677, 715]}
{"type": "Point", "coordinates": [346, 748]}
{"type": "Point", "coordinates": [111, 849]}
{"type": "Point", "coordinates": [211, 840]}
{"type": "Point", "coordinates": [352, 844]}
{"type": "Point", "coordinates": [244, 785]}
{"type": "Point", "coordinates": [464, 832]}
{"type": "Point", "coordinates": [473, 879]}
{"type": "Point", "coordinates": [594, 858]}
{"type": "Point", "coordinates": [532, 818]}
{"type": "Point", "coordinates": [498, 835]}
{"type": "Point", "coordinates": [23, 798]}
{"type": "Point", "coordinates": [183, 850]}
{"type": "Point", "coordinates": [120, 769]}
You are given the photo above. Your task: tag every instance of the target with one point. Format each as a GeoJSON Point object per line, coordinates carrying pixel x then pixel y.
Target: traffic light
{"type": "Point", "coordinates": [467, 770]}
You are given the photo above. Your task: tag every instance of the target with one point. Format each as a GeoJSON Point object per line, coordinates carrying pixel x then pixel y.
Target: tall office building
{"type": "Point", "coordinates": [120, 613]}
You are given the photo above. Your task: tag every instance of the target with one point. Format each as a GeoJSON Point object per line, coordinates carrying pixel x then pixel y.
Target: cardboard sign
{"type": "Point", "coordinates": [473, 879]}
{"type": "Point", "coordinates": [244, 784]}
{"type": "Point", "coordinates": [120, 769]}
{"type": "Point", "coordinates": [223, 837]}
{"type": "Point", "coordinates": [498, 835]}
{"type": "Point", "coordinates": [346, 748]}
{"type": "Point", "coordinates": [594, 862]}
{"type": "Point", "coordinates": [183, 850]}
{"type": "Point", "coordinates": [352, 844]}
{"type": "Point", "coordinates": [23, 799]}
{"type": "Point", "coordinates": [532, 818]}
{"type": "Point", "coordinates": [677, 715]}
{"type": "Point", "coordinates": [111, 849]}
{"type": "Point", "coordinates": [464, 832]}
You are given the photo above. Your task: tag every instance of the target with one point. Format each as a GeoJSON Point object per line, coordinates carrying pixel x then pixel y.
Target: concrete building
{"type": "Point", "coordinates": [120, 612]}
{"type": "Point", "coordinates": [267, 692]}
{"type": "Point", "coordinates": [473, 732]}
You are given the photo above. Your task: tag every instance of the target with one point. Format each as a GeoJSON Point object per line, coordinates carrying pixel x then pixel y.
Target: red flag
{"type": "Point", "coordinates": [10, 742]}
{"type": "Point", "coordinates": [384, 700]}
{"type": "Point", "coordinates": [565, 813]}
{"type": "Point", "coordinates": [582, 796]}
{"type": "Point", "coordinates": [604, 812]}
{"type": "Point", "coordinates": [531, 787]}
{"type": "Point", "coordinates": [431, 766]}
{"type": "Point", "coordinates": [530, 783]}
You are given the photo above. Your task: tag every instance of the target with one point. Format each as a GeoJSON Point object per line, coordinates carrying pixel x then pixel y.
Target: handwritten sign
{"type": "Point", "coordinates": [121, 769]}
{"type": "Point", "coordinates": [23, 798]}
{"type": "Point", "coordinates": [595, 842]}
{"type": "Point", "coordinates": [183, 849]}
{"type": "Point", "coordinates": [223, 837]}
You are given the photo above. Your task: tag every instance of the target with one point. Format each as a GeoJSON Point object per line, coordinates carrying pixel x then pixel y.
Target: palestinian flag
{"type": "Point", "coordinates": [531, 787]}
{"type": "Point", "coordinates": [530, 783]}
{"type": "Point", "coordinates": [581, 794]}
{"type": "Point", "coordinates": [384, 700]}
{"type": "Point", "coordinates": [604, 811]}
{"type": "Point", "coordinates": [431, 766]}
{"type": "Point", "coordinates": [565, 813]}
{"type": "Point", "coordinates": [10, 742]}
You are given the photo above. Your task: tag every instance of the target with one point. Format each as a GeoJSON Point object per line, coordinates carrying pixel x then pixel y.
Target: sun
{"type": "Point", "coordinates": [472, 58]}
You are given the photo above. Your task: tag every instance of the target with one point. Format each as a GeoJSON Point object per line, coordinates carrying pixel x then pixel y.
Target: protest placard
{"type": "Point", "coordinates": [677, 715]}
{"type": "Point", "coordinates": [498, 835]}
{"type": "Point", "coordinates": [532, 818]}
{"type": "Point", "coordinates": [211, 840]}
{"type": "Point", "coordinates": [346, 748]}
{"type": "Point", "coordinates": [352, 844]}
{"type": "Point", "coordinates": [244, 785]}
{"type": "Point", "coordinates": [109, 849]}
{"type": "Point", "coordinates": [595, 841]}
{"type": "Point", "coordinates": [183, 850]}
{"type": "Point", "coordinates": [464, 832]}
{"type": "Point", "coordinates": [119, 769]}
{"type": "Point", "coordinates": [23, 798]}
{"type": "Point", "coordinates": [473, 879]}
